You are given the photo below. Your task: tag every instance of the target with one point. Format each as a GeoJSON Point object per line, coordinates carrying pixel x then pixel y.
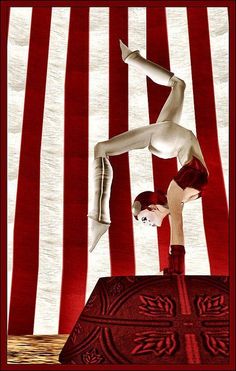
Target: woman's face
{"type": "Point", "coordinates": [153, 216]}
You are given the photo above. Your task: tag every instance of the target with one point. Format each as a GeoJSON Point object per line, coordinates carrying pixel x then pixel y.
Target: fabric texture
{"type": "Point", "coordinates": [152, 320]}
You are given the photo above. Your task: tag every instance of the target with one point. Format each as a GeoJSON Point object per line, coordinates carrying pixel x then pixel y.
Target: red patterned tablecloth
{"type": "Point", "coordinates": [153, 320]}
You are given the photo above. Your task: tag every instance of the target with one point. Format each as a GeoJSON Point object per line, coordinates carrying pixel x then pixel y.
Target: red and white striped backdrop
{"type": "Point", "coordinates": [67, 89]}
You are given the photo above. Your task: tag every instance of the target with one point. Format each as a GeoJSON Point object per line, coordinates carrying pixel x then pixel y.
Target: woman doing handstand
{"type": "Point", "coordinates": [165, 139]}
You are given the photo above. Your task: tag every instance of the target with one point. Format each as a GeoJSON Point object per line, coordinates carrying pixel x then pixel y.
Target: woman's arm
{"type": "Point", "coordinates": [175, 197]}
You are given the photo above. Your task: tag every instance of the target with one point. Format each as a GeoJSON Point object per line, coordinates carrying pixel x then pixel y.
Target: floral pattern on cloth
{"type": "Point", "coordinates": [157, 306]}
{"type": "Point", "coordinates": [158, 343]}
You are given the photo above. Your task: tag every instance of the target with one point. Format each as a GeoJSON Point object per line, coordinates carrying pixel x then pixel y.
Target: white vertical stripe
{"type": "Point", "coordinates": [219, 41]}
{"type": "Point", "coordinates": [51, 180]}
{"type": "Point", "coordinates": [197, 261]}
{"type": "Point", "coordinates": [99, 259]}
{"type": "Point", "coordinates": [18, 47]}
{"type": "Point", "coordinates": [140, 161]}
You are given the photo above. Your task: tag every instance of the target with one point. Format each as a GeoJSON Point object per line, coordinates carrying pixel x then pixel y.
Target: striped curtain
{"type": "Point", "coordinates": [68, 89]}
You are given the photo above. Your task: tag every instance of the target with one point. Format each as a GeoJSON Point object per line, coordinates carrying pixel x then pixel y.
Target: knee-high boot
{"type": "Point", "coordinates": [157, 73]}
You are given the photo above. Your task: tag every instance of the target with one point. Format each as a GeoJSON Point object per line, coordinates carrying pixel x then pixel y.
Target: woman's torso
{"type": "Point", "coordinates": [170, 140]}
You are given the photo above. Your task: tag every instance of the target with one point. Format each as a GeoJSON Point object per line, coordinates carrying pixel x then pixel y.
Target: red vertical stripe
{"type": "Point", "coordinates": [163, 170]}
{"type": "Point", "coordinates": [7, 10]}
{"type": "Point", "coordinates": [26, 230]}
{"type": "Point", "coordinates": [214, 202]}
{"type": "Point", "coordinates": [121, 230]}
{"type": "Point", "coordinates": [75, 171]}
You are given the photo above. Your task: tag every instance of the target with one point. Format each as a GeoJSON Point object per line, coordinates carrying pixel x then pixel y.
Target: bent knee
{"type": "Point", "coordinates": [177, 82]}
{"type": "Point", "coordinates": [99, 150]}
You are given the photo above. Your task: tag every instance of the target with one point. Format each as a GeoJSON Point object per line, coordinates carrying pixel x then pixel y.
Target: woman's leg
{"type": "Point", "coordinates": [156, 73]}
{"type": "Point", "coordinates": [103, 174]}
{"type": "Point", "coordinates": [172, 108]}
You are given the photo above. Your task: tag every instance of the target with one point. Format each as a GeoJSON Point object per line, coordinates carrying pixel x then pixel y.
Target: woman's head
{"type": "Point", "coordinates": [150, 208]}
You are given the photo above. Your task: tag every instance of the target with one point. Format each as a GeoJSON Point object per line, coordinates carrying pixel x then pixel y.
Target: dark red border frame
{"type": "Point", "coordinates": [5, 5]}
